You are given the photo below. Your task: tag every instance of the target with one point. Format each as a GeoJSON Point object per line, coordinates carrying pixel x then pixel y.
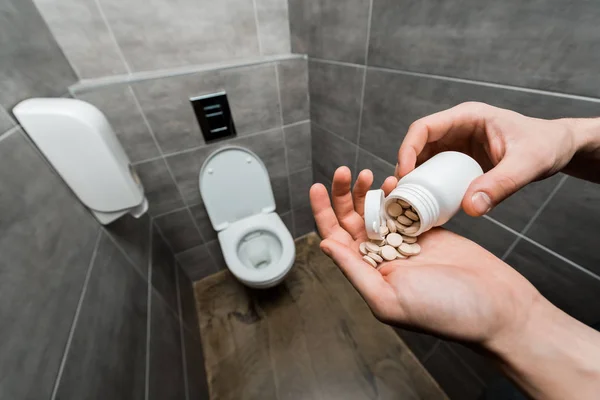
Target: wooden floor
{"type": "Point", "coordinates": [311, 337]}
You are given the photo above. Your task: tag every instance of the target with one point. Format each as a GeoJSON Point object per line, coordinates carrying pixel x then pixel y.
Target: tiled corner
{"type": "Point", "coordinates": [197, 262]}
{"type": "Point", "coordinates": [293, 86]}
{"type": "Point", "coordinates": [203, 222]}
{"type": "Point", "coordinates": [118, 104]}
{"type": "Point", "coordinates": [92, 37]}
{"type": "Point", "coordinates": [304, 222]}
{"type": "Point", "coordinates": [163, 269]}
{"type": "Point", "coordinates": [189, 315]}
{"type": "Point", "coordinates": [570, 289]}
{"type": "Point", "coordinates": [253, 98]}
{"type": "Point", "coordinates": [31, 63]}
{"type": "Point", "coordinates": [179, 230]}
{"type": "Point", "coordinates": [330, 152]}
{"type": "Point", "coordinates": [330, 29]}
{"type": "Point", "coordinates": [161, 192]}
{"type": "Point", "coordinates": [41, 260]}
{"type": "Point", "coordinates": [381, 169]}
{"type": "Point", "coordinates": [335, 95]}
{"type": "Point", "coordinates": [166, 104]}
{"type": "Point", "coordinates": [506, 42]}
{"type": "Point", "coordinates": [273, 26]}
{"type": "Point", "coordinates": [111, 327]}
{"type": "Point", "coordinates": [191, 32]}
{"type": "Point", "coordinates": [300, 183]}
{"type": "Point", "coordinates": [195, 369]}
{"type": "Point", "coordinates": [297, 145]}
{"type": "Point", "coordinates": [133, 237]}
{"type": "Point", "coordinates": [166, 375]}
{"type": "Point", "coordinates": [569, 223]}
{"type": "Point", "coordinates": [214, 248]}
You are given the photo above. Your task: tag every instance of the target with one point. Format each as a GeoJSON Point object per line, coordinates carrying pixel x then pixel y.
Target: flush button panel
{"type": "Point", "coordinates": [214, 116]}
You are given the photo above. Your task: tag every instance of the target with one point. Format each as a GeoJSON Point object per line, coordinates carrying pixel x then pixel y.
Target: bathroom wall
{"type": "Point", "coordinates": [375, 66]}
{"type": "Point", "coordinates": [85, 311]}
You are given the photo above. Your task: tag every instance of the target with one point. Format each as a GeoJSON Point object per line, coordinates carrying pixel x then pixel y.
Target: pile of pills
{"type": "Point", "coordinates": [399, 240]}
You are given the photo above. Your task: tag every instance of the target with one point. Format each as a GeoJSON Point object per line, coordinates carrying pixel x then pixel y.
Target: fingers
{"type": "Point", "coordinates": [322, 211]}
{"type": "Point", "coordinates": [389, 184]}
{"type": "Point", "coordinates": [464, 117]}
{"type": "Point", "coordinates": [361, 187]}
{"type": "Point", "coordinates": [343, 205]}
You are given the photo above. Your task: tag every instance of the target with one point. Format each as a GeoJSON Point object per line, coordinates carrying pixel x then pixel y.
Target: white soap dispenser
{"type": "Point", "coordinates": [80, 144]}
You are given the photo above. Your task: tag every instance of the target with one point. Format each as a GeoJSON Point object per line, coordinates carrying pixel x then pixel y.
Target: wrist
{"type": "Point", "coordinates": [584, 133]}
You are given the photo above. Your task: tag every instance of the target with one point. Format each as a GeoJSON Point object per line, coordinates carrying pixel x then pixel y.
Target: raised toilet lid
{"type": "Point", "coordinates": [234, 184]}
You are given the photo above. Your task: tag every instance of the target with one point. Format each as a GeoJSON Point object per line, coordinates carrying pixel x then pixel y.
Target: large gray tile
{"type": "Point", "coordinates": [293, 85]}
{"type": "Point", "coordinates": [300, 183]}
{"type": "Point", "coordinates": [46, 244]}
{"type": "Point", "coordinates": [31, 63]}
{"type": "Point", "coordinates": [273, 26]}
{"type": "Point", "coordinates": [191, 31]}
{"type": "Point", "coordinates": [281, 192]}
{"type": "Point", "coordinates": [288, 221]}
{"type": "Point", "coordinates": [195, 369]}
{"type": "Point", "coordinates": [203, 222]}
{"type": "Point", "coordinates": [166, 104]}
{"type": "Point", "coordinates": [133, 236]}
{"type": "Point", "coordinates": [570, 223]}
{"type": "Point", "coordinates": [335, 95]}
{"type": "Point", "coordinates": [330, 152]}
{"type": "Point", "coordinates": [297, 145]}
{"type": "Point", "coordinates": [118, 104]}
{"type": "Point", "coordinates": [160, 190]}
{"type": "Point", "coordinates": [304, 222]}
{"type": "Point", "coordinates": [186, 166]}
{"type": "Point", "coordinates": [166, 376]}
{"type": "Point", "coordinates": [179, 230]}
{"type": "Point", "coordinates": [524, 44]}
{"type": "Point", "coordinates": [330, 29]}
{"type": "Point", "coordinates": [253, 98]}
{"type": "Point", "coordinates": [381, 169]}
{"type": "Point", "coordinates": [454, 378]}
{"type": "Point", "coordinates": [482, 231]}
{"type": "Point", "coordinates": [188, 312]}
{"type": "Point", "coordinates": [6, 122]}
{"type": "Point", "coordinates": [163, 269]}
{"type": "Point", "coordinates": [567, 287]}
{"type": "Point", "coordinates": [86, 40]}
{"type": "Point", "coordinates": [482, 366]}
{"type": "Point", "coordinates": [197, 262]}
{"type": "Point", "coordinates": [393, 101]}
{"type": "Point", "coordinates": [110, 331]}
{"type": "Point", "coordinates": [420, 344]}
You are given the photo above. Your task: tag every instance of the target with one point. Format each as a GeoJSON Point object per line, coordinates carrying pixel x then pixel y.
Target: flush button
{"type": "Point", "coordinates": [214, 116]}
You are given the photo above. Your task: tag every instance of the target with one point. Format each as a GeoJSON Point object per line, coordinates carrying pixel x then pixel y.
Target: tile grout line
{"type": "Point", "coordinates": [428, 355]}
{"type": "Point", "coordinates": [172, 211]}
{"type": "Point", "coordinates": [181, 327]}
{"type": "Point", "coordinates": [149, 313]}
{"type": "Point", "coordinates": [466, 365]}
{"type": "Point", "coordinates": [10, 131]}
{"type": "Point", "coordinates": [76, 316]}
{"type": "Point", "coordinates": [534, 217]}
{"type": "Point", "coordinates": [364, 84]}
{"type": "Point", "coordinates": [113, 37]}
{"type": "Point", "coordinates": [260, 51]}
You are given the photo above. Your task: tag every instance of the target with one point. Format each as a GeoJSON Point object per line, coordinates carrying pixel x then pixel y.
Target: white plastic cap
{"type": "Point", "coordinates": [374, 217]}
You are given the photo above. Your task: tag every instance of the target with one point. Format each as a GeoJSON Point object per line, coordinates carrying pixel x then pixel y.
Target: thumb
{"type": "Point", "coordinates": [487, 191]}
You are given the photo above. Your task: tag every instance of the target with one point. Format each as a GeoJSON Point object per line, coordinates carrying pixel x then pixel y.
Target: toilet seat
{"type": "Point", "coordinates": [230, 238]}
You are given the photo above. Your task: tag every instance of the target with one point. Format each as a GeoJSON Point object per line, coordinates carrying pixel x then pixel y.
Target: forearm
{"type": "Point", "coordinates": [585, 163]}
{"type": "Point", "coordinates": [553, 357]}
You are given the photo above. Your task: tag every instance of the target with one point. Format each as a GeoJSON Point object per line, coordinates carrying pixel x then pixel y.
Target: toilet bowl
{"type": "Point", "coordinates": [257, 247]}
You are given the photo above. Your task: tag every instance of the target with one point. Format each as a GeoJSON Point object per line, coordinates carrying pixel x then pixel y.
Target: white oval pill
{"type": "Point", "coordinates": [383, 230]}
{"type": "Point", "coordinates": [363, 248]}
{"type": "Point", "coordinates": [412, 215]}
{"type": "Point", "coordinates": [394, 209]}
{"type": "Point", "coordinates": [409, 249]}
{"type": "Point", "coordinates": [394, 239]}
{"type": "Point", "coordinates": [409, 239]}
{"type": "Point", "coordinates": [390, 225]}
{"type": "Point", "coordinates": [404, 220]}
{"type": "Point", "coordinates": [375, 257]}
{"type": "Point", "coordinates": [411, 230]}
{"type": "Point", "coordinates": [370, 261]}
{"type": "Point", "coordinates": [388, 253]}
{"type": "Point", "coordinates": [400, 256]}
{"type": "Point", "coordinates": [403, 204]}
{"type": "Point", "coordinates": [399, 227]}
{"type": "Point", "coordinates": [372, 247]}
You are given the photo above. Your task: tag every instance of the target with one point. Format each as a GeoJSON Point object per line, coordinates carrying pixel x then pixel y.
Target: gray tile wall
{"type": "Point", "coordinates": [367, 86]}
{"type": "Point", "coordinates": [157, 125]}
{"type": "Point", "coordinates": [191, 32]}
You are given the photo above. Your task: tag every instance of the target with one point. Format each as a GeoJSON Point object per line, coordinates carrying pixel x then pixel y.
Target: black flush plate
{"type": "Point", "coordinates": [214, 116]}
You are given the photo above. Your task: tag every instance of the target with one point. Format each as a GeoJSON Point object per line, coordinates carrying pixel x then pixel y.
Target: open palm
{"type": "Point", "coordinates": [454, 288]}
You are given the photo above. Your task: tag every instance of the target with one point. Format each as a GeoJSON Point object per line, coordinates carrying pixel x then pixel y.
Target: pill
{"type": "Point", "coordinates": [390, 225]}
{"type": "Point", "coordinates": [403, 204]}
{"type": "Point", "coordinates": [411, 230]}
{"type": "Point", "coordinates": [383, 230]}
{"type": "Point", "coordinates": [394, 209]}
{"type": "Point", "coordinates": [375, 257]}
{"type": "Point", "coordinates": [394, 239]}
{"type": "Point", "coordinates": [388, 253]}
{"type": "Point", "coordinates": [379, 243]}
{"type": "Point", "coordinates": [399, 227]}
{"type": "Point", "coordinates": [412, 215]}
{"type": "Point", "coordinates": [400, 256]}
{"type": "Point", "coordinates": [404, 220]}
{"type": "Point", "coordinates": [370, 261]}
{"type": "Point", "coordinates": [372, 247]}
{"type": "Point", "coordinates": [363, 248]}
{"type": "Point", "coordinates": [409, 250]}
{"type": "Point", "coordinates": [409, 239]}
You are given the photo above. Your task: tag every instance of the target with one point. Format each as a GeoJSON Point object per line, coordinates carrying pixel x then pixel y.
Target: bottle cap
{"type": "Point", "coordinates": [374, 217]}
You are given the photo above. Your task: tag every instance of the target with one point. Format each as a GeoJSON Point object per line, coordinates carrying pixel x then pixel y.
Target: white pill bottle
{"type": "Point", "coordinates": [435, 190]}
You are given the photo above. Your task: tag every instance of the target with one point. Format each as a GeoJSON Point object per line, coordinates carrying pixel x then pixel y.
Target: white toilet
{"type": "Point", "coordinates": [257, 246]}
